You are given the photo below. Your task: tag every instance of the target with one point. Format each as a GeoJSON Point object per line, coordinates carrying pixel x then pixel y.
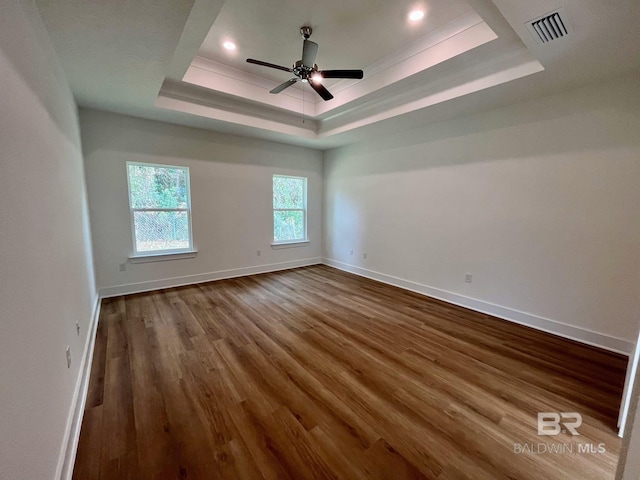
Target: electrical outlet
{"type": "Point", "coordinates": [350, 252]}
{"type": "Point", "coordinates": [123, 267]}
{"type": "Point", "coordinates": [68, 356]}
{"type": "Point", "coordinates": [258, 252]}
{"type": "Point", "coordinates": [467, 277]}
{"type": "Point", "coordinates": [77, 327]}
{"type": "Point", "coordinates": [364, 255]}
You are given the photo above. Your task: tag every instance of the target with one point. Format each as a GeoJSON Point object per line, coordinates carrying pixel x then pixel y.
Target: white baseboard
{"type": "Point", "coordinates": [582, 335]}
{"type": "Point", "coordinates": [204, 277]}
{"type": "Point", "coordinates": [74, 422]}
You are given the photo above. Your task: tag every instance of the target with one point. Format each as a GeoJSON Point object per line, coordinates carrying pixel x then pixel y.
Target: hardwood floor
{"type": "Point", "coordinates": [316, 373]}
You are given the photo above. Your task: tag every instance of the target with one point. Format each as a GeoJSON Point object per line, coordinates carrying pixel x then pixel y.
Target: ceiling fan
{"type": "Point", "coordinates": [306, 70]}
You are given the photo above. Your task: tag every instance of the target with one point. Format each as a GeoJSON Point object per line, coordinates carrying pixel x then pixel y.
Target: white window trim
{"type": "Point", "coordinates": [161, 257]}
{"type": "Point", "coordinates": [298, 241]}
{"type": "Point", "coordinates": [168, 254]}
{"type": "Point", "coordinates": [290, 244]}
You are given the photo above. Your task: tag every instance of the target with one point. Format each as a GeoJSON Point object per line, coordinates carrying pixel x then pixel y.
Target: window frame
{"type": "Point", "coordinates": [132, 211]}
{"type": "Point", "coordinates": [305, 238]}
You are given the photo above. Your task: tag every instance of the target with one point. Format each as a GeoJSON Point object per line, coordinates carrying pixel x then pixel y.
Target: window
{"type": "Point", "coordinates": [289, 209]}
{"type": "Point", "coordinates": [160, 206]}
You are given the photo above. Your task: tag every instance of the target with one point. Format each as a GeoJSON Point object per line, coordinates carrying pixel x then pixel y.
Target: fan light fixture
{"type": "Point", "coordinates": [317, 78]}
{"type": "Point", "coordinates": [416, 15]}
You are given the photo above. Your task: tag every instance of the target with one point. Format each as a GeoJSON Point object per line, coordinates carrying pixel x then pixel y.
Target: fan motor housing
{"type": "Point", "coordinates": [302, 71]}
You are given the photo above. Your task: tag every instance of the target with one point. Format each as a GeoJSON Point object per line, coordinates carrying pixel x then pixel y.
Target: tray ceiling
{"type": "Point", "coordinates": [164, 59]}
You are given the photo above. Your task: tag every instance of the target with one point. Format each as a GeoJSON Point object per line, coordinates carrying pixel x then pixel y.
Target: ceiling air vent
{"type": "Point", "coordinates": [549, 27]}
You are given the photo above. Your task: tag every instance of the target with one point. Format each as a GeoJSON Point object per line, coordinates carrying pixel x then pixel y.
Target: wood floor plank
{"type": "Point", "coordinates": [89, 454]}
{"type": "Point", "coordinates": [315, 373]}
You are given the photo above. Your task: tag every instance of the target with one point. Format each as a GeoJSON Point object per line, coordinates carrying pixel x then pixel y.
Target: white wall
{"type": "Point", "coordinates": [231, 197]}
{"type": "Point", "coordinates": [46, 272]}
{"type": "Point", "coordinates": [538, 201]}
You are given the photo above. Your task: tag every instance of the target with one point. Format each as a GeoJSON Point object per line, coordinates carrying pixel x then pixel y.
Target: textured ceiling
{"type": "Point", "coordinates": [115, 52]}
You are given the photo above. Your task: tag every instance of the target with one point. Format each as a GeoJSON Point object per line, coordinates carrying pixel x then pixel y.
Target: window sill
{"type": "Point", "coordinates": [292, 244]}
{"type": "Point", "coordinates": [162, 257]}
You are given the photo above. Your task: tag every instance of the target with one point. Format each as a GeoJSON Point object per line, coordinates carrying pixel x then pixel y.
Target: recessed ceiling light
{"type": "Point", "coordinates": [416, 15]}
{"type": "Point", "coordinates": [229, 45]}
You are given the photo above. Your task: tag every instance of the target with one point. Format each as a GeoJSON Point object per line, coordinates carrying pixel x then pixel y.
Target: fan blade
{"type": "Point", "coordinates": [309, 52]}
{"type": "Point", "coordinates": [355, 74]}
{"type": "Point", "coordinates": [284, 85]}
{"type": "Point", "coordinates": [266, 64]}
{"type": "Point", "coordinates": [322, 91]}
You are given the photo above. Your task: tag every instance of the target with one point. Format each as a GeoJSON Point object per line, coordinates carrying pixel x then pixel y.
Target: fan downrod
{"type": "Point", "coordinates": [306, 31]}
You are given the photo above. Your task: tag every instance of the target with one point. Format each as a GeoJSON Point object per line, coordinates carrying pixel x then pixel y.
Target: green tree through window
{"type": "Point", "coordinates": [289, 209]}
{"type": "Point", "coordinates": [160, 208]}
